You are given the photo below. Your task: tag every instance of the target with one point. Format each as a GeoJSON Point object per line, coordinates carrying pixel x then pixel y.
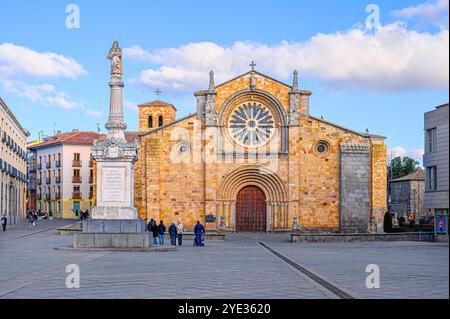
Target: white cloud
{"type": "Point", "coordinates": [415, 153]}
{"type": "Point", "coordinates": [44, 93]}
{"type": "Point", "coordinates": [391, 58]}
{"type": "Point", "coordinates": [20, 61]}
{"type": "Point", "coordinates": [435, 12]}
{"type": "Point", "coordinates": [62, 100]}
{"type": "Point", "coordinates": [93, 113]}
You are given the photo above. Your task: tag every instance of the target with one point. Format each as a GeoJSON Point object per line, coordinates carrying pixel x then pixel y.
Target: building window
{"type": "Point", "coordinates": [160, 120]}
{"type": "Point", "coordinates": [150, 121]}
{"type": "Point", "coordinates": [431, 178]}
{"type": "Point", "coordinates": [431, 140]}
{"type": "Point", "coordinates": [321, 148]}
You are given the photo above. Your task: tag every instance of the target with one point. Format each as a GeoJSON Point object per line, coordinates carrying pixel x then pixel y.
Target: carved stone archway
{"type": "Point", "coordinates": [253, 175]}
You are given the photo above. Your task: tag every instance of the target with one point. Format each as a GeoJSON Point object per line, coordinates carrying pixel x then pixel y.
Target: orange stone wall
{"type": "Point", "coordinates": [187, 191]}
{"type": "Point", "coordinates": [168, 113]}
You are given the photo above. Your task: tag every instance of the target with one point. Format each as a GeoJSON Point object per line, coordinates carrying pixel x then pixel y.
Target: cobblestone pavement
{"type": "Point", "coordinates": [236, 268]}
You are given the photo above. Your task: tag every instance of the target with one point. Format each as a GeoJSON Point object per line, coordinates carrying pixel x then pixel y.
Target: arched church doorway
{"type": "Point", "coordinates": [251, 210]}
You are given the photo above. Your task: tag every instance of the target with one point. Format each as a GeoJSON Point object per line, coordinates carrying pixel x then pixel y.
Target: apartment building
{"type": "Point", "coordinates": [64, 173]}
{"type": "Point", "coordinates": [13, 165]}
{"type": "Point", "coordinates": [435, 161]}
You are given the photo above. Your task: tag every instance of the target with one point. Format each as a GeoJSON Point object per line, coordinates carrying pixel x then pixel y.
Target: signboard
{"type": "Point", "coordinates": [210, 218]}
{"type": "Point", "coordinates": [441, 224]}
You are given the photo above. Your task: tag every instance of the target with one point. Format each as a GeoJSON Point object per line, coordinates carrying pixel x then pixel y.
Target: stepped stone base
{"type": "Point", "coordinates": [112, 234]}
{"type": "Point", "coordinates": [114, 240]}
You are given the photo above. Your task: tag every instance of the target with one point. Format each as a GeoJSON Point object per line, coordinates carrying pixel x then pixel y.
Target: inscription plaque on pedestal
{"type": "Point", "coordinates": [113, 181]}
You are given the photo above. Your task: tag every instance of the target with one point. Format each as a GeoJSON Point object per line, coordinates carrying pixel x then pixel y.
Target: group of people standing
{"type": "Point", "coordinates": [83, 215]}
{"type": "Point", "coordinates": [175, 233]}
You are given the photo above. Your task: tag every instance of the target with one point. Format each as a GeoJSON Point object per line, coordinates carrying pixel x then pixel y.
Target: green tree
{"type": "Point", "coordinates": [399, 167]}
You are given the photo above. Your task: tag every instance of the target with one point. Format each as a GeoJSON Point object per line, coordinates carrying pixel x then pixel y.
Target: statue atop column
{"type": "Point", "coordinates": [115, 56]}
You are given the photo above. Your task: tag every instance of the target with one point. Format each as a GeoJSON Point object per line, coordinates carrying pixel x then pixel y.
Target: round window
{"type": "Point", "coordinates": [183, 148]}
{"type": "Point", "coordinates": [251, 124]}
{"type": "Point", "coordinates": [322, 148]}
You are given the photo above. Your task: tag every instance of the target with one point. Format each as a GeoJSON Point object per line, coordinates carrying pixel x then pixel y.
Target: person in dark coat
{"type": "Point", "coordinates": [173, 234]}
{"type": "Point", "coordinates": [199, 232]}
{"type": "Point", "coordinates": [4, 222]}
{"type": "Point", "coordinates": [154, 230]}
{"type": "Point", "coordinates": [161, 232]}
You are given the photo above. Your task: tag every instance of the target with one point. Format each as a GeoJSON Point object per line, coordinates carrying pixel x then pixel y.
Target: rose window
{"type": "Point", "coordinates": [251, 124]}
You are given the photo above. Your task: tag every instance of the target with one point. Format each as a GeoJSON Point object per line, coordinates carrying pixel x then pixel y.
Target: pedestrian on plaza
{"type": "Point", "coordinates": [161, 232]}
{"type": "Point", "coordinates": [30, 219]}
{"type": "Point", "coordinates": [86, 214]}
{"type": "Point", "coordinates": [199, 232]}
{"type": "Point", "coordinates": [35, 217]}
{"type": "Point", "coordinates": [154, 230]}
{"type": "Point", "coordinates": [173, 234]}
{"type": "Point", "coordinates": [411, 219]}
{"type": "Point", "coordinates": [180, 230]}
{"type": "Point", "coordinates": [4, 221]}
{"type": "Point", "coordinates": [150, 224]}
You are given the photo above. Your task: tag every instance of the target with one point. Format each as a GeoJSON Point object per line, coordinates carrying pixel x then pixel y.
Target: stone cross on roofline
{"type": "Point", "coordinates": [252, 65]}
{"type": "Point", "coordinates": [158, 93]}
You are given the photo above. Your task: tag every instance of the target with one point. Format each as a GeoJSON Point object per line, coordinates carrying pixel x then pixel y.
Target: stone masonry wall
{"type": "Point", "coordinates": [355, 187]}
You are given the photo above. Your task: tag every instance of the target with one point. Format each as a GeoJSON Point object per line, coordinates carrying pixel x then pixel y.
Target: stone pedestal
{"type": "Point", "coordinates": [112, 234]}
{"type": "Point", "coordinates": [114, 191]}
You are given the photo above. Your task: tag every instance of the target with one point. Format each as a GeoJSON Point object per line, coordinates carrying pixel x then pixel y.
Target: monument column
{"type": "Point", "coordinates": [115, 157]}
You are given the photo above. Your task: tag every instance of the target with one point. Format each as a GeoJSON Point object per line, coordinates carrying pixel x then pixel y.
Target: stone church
{"type": "Point", "coordinates": [253, 158]}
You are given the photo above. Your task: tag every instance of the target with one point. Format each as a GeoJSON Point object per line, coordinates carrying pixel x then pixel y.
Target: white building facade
{"type": "Point", "coordinates": [64, 175]}
{"type": "Point", "coordinates": [13, 166]}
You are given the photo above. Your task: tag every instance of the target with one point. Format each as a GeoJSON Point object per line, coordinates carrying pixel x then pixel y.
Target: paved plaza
{"type": "Point", "coordinates": [237, 268]}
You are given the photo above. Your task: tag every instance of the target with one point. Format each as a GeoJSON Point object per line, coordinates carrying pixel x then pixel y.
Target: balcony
{"type": "Point", "coordinates": [39, 196]}
{"type": "Point", "coordinates": [76, 195]}
{"type": "Point", "coordinates": [76, 179]}
{"type": "Point", "coordinates": [39, 181]}
{"type": "Point", "coordinates": [58, 179]}
{"type": "Point", "coordinates": [39, 166]}
{"type": "Point", "coordinates": [57, 195]}
{"type": "Point", "coordinates": [76, 163]}
{"type": "Point", "coordinates": [48, 196]}
{"type": "Point", "coordinates": [91, 163]}
{"type": "Point", "coordinates": [48, 164]}
{"type": "Point", "coordinates": [58, 163]}
{"type": "Point", "coordinates": [47, 180]}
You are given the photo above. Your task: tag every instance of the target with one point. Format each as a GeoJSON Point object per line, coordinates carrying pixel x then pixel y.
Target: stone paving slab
{"type": "Point", "coordinates": [236, 268]}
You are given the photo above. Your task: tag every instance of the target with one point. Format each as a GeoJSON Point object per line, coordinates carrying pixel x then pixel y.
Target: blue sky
{"type": "Point", "coordinates": [383, 78]}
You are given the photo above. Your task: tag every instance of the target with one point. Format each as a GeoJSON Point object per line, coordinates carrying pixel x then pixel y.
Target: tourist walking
{"type": "Point", "coordinates": [173, 234]}
{"type": "Point", "coordinates": [154, 230]}
{"type": "Point", "coordinates": [4, 222]}
{"type": "Point", "coordinates": [199, 232]}
{"type": "Point", "coordinates": [161, 232]}
{"type": "Point", "coordinates": [180, 230]}
{"type": "Point", "coordinates": [30, 220]}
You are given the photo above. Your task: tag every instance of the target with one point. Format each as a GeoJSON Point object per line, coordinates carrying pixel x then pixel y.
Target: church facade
{"type": "Point", "coordinates": [253, 158]}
